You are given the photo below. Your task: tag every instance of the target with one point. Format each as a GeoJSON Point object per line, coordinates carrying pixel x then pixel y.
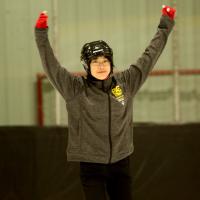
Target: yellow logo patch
{"type": "Point", "coordinates": [118, 93]}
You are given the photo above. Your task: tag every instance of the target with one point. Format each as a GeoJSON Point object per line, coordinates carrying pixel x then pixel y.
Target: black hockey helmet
{"type": "Point", "coordinates": [93, 49]}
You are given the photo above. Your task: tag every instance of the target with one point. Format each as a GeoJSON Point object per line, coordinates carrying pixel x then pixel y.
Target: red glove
{"type": "Point", "coordinates": [168, 11]}
{"type": "Point", "coordinates": [42, 20]}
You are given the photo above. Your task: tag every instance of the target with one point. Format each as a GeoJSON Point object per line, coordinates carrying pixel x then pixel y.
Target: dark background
{"type": "Point", "coordinates": [165, 163]}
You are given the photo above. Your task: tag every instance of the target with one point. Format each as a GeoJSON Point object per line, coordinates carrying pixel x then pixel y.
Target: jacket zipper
{"type": "Point", "coordinates": [109, 127]}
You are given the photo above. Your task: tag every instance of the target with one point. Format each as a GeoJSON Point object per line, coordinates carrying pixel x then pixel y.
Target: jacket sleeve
{"type": "Point", "coordinates": [137, 73]}
{"type": "Point", "coordinates": [67, 84]}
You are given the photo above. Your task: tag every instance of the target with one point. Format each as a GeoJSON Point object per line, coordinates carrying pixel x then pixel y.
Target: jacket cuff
{"type": "Point", "coordinates": [166, 23]}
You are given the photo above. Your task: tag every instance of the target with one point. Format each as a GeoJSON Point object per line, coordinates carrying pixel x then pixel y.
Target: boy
{"type": "Point", "coordinates": [100, 108]}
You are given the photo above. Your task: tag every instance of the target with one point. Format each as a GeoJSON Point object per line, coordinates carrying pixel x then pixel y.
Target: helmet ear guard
{"type": "Point", "coordinates": [94, 49]}
{"type": "Point", "coordinates": [85, 65]}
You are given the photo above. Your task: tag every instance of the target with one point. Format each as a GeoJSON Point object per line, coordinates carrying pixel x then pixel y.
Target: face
{"type": "Point", "coordinates": [100, 67]}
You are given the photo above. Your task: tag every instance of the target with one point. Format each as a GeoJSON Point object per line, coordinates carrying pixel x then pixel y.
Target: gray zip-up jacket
{"type": "Point", "coordinates": [100, 112]}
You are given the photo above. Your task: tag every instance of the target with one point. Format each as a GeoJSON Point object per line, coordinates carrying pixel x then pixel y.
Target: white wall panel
{"type": "Point", "coordinates": [127, 26]}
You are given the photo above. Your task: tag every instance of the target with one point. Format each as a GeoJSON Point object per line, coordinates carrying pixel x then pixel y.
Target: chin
{"type": "Point", "coordinates": [102, 77]}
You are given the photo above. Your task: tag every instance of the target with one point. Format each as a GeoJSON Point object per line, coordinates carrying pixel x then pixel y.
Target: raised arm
{"type": "Point", "coordinates": [138, 72]}
{"type": "Point", "coordinates": [67, 84]}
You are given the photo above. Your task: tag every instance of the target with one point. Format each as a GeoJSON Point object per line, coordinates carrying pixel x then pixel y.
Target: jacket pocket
{"type": "Point", "coordinates": [74, 137]}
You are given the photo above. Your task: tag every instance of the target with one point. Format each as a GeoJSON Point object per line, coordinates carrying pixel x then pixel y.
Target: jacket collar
{"type": "Point", "coordinates": [105, 85]}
